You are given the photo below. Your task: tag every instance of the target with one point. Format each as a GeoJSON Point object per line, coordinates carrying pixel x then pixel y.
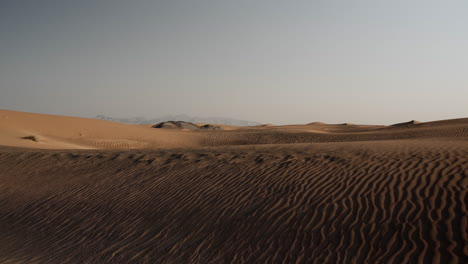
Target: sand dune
{"type": "Point", "coordinates": [60, 132]}
{"type": "Point", "coordinates": [409, 123]}
{"type": "Point", "coordinates": [312, 193]}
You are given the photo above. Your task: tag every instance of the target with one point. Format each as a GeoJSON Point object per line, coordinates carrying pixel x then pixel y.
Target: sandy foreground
{"type": "Point", "coordinates": [76, 190]}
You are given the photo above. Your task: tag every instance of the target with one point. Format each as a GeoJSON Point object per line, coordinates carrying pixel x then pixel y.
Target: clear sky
{"type": "Point", "coordinates": [272, 61]}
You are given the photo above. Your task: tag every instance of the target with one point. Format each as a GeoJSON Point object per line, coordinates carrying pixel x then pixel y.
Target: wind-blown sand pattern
{"type": "Point", "coordinates": [278, 194]}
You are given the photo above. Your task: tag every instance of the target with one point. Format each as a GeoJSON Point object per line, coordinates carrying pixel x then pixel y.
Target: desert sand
{"type": "Point", "coordinates": [77, 190]}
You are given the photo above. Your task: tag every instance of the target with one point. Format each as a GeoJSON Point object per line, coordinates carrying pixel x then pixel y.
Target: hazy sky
{"type": "Point", "coordinates": [275, 61]}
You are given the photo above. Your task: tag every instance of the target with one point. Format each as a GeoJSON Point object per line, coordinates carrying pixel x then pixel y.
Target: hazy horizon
{"type": "Point", "coordinates": [366, 62]}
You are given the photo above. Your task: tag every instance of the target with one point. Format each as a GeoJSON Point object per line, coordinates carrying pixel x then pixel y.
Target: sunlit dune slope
{"type": "Point", "coordinates": [71, 132]}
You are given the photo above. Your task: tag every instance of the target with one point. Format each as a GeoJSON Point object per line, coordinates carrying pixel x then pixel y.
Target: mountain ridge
{"type": "Point", "coordinates": [186, 118]}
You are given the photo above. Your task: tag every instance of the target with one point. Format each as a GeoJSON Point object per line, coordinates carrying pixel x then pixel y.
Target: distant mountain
{"type": "Point", "coordinates": [186, 118]}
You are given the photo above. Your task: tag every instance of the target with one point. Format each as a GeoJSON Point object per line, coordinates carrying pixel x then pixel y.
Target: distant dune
{"type": "Point", "coordinates": [177, 125]}
{"type": "Point", "coordinates": [76, 190]}
{"type": "Point", "coordinates": [317, 124]}
{"type": "Point", "coordinates": [186, 126]}
{"type": "Point", "coordinates": [412, 122]}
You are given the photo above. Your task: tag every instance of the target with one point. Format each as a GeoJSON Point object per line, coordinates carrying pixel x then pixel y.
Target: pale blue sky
{"type": "Point", "coordinates": [272, 61]}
